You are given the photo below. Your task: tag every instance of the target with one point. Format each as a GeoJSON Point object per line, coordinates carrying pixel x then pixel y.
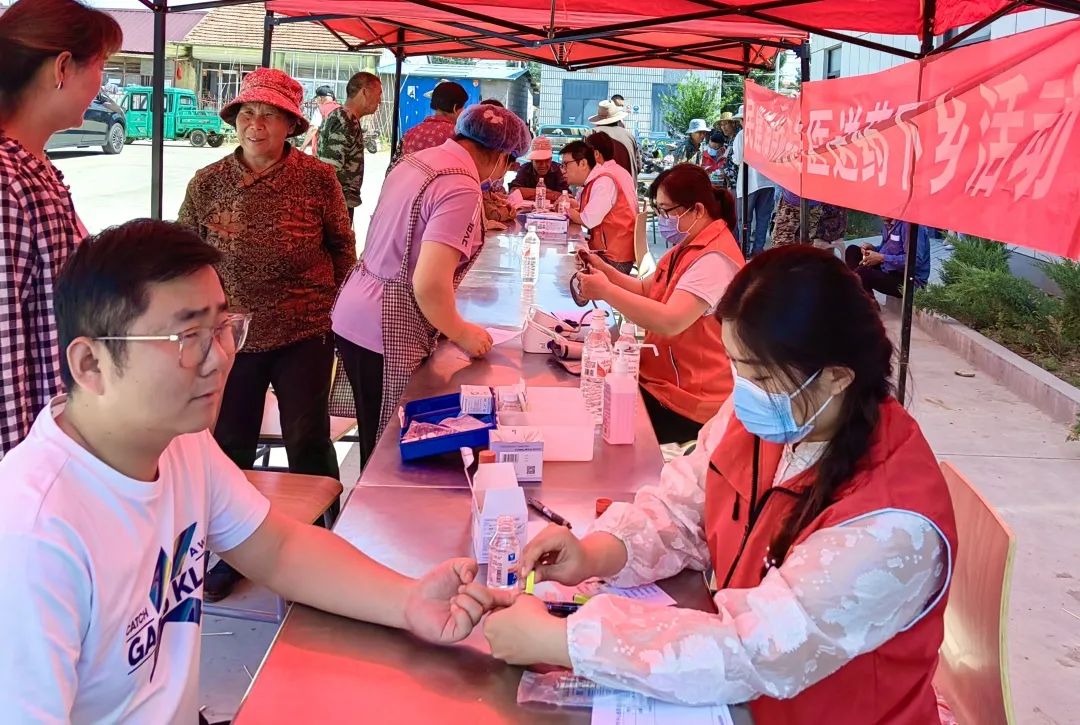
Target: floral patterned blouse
{"type": "Point", "coordinates": [286, 240]}
{"type": "Point", "coordinates": [842, 592]}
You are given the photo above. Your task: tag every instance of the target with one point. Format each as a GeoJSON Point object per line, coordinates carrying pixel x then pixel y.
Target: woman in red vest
{"type": "Point", "coordinates": [690, 377]}
{"type": "Point", "coordinates": [813, 497]}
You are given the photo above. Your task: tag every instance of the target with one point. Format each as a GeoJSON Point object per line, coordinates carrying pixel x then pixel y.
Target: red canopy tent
{"type": "Point", "coordinates": [681, 33]}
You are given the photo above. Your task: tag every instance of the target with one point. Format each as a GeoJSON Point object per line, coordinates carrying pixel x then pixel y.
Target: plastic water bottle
{"type": "Point", "coordinates": [504, 555]}
{"type": "Point", "coordinates": [564, 203]}
{"type": "Point", "coordinates": [541, 195]}
{"type": "Point", "coordinates": [595, 365]}
{"type": "Point", "coordinates": [530, 256]}
{"type": "Point", "coordinates": [627, 346]}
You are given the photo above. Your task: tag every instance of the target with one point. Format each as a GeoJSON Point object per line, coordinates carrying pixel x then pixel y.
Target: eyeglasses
{"type": "Point", "coordinates": [195, 343]}
{"type": "Point", "coordinates": [664, 213]}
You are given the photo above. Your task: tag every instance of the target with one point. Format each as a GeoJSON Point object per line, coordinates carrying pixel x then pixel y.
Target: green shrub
{"type": "Point", "coordinates": [987, 298]}
{"type": "Point", "coordinates": [1066, 274]}
{"type": "Point", "coordinates": [974, 252]}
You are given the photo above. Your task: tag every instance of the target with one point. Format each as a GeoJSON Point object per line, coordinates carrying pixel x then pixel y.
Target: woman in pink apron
{"type": "Point", "coordinates": [424, 235]}
{"type": "Point", "coordinates": [54, 52]}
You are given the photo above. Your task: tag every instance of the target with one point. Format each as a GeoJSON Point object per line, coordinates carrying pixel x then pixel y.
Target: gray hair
{"type": "Point", "coordinates": [362, 81]}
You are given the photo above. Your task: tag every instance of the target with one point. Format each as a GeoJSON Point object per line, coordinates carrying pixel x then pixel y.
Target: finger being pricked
{"type": "Point", "coordinates": [470, 606]}
{"type": "Point", "coordinates": [488, 598]}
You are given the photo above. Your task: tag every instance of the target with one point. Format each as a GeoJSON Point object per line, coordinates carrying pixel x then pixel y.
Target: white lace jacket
{"type": "Point", "coordinates": [841, 593]}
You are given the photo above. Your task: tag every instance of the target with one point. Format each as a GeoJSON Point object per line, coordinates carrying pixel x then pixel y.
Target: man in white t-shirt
{"type": "Point", "coordinates": [112, 504]}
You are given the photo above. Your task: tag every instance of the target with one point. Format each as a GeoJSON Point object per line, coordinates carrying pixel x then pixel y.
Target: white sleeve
{"type": "Point", "coordinates": [708, 278]}
{"type": "Point", "coordinates": [737, 149]}
{"type": "Point", "coordinates": [663, 529]}
{"type": "Point", "coordinates": [236, 507]}
{"type": "Point", "coordinates": [601, 200]}
{"type": "Point", "coordinates": [45, 598]}
{"type": "Point", "coordinates": [844, 591]}
{"type": "Point", "coordinates": [316, 118]}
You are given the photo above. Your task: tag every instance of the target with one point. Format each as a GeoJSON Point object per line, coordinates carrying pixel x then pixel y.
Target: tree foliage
{"type": "Point", "coordinates": [695, 96]}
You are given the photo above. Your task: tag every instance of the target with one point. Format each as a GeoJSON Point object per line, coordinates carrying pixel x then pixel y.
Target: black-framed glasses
{"type": "Point", "coordinates": [665, 212]}
{"type": "Point", "coordinates": [194, 344]}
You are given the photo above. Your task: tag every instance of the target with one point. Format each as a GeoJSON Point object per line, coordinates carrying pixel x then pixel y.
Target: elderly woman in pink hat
{"type": "Point", "coordinates": [279, 219]}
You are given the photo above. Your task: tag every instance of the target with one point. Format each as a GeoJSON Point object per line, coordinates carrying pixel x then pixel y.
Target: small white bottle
{"type": "Point", "coordinates": [564, 203]}
{"type": "Point", "coordinates": [628, 346]}
{"type": "Point", "coordinates": [595, 364]}
{"type": "Point", "coordinates": [530, 256]}
{"type": "Point", "coordinates": [504, 555]}
{"type": "Point", "coordinates": [620, 400]}
{"type": "Point", "coordinates": [541, 195]}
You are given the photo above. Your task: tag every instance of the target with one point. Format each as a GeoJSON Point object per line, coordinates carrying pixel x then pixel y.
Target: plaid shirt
{"type": "Point", "coordinates": [39, 231]}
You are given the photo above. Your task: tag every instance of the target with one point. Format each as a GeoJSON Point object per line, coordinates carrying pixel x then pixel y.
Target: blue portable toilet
{"type": "Point", "coordinates": [416, 97]}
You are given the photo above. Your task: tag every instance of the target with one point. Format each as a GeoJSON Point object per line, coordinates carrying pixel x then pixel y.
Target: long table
{"type": "Point", "coordinates": [328, 669]}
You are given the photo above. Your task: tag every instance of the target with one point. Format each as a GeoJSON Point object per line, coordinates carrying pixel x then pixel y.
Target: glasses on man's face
{"type": "Point", "coordinates": [665, 211]}
{"type": "Point", "coordinates": [195, 343]}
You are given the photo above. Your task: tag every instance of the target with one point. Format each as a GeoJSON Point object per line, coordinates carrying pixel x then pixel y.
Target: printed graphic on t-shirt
{"type": "Point", "coordinates": [174, 596]}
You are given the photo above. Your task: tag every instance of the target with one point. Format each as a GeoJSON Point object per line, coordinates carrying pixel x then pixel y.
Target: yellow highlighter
{"type": "Point", "coordinates": [581, 598]}
{"type": "Point", "coordinates": [530, 582]}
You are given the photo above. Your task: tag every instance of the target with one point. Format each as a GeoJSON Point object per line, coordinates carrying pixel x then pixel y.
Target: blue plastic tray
{"type": "Point", "coordinates": [433, 410]}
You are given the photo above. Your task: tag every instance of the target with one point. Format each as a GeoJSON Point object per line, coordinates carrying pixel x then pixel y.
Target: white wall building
{"type": "Point", "coordinates": [571, 97]}
{"type": "Point", "coordinates": [832, 59]}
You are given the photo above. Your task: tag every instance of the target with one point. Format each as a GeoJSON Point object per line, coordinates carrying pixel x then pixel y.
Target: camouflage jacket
{"type": "Point", "coordinates": [341, 144]}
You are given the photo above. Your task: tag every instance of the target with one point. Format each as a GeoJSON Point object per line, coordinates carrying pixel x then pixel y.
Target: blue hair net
{"type": "Point", "coordinates": [495, 128]}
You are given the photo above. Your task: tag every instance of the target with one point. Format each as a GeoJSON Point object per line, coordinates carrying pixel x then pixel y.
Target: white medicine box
{"type": "Point", "coordinates": [496, 493]}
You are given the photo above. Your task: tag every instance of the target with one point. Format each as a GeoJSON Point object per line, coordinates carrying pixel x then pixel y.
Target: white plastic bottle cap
{"type": "Point", "coordinates": [598, 319]}
{"type": "Point", "coordinates": [628, 328]}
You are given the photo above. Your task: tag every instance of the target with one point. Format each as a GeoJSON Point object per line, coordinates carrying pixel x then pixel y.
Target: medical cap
{"type": "Point", "coordinates": [495, 128]}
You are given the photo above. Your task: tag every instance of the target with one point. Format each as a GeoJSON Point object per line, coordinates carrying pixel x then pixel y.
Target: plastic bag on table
{"type": "Point", "coordinates": [561, 688]}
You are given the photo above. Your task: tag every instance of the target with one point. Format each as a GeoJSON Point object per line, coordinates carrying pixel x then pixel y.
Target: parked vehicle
{"type": "Point", "coordinates": [183, 118]}
{"type": "Point", "coordinates": [562, 134]}
{"type": "Point", "coordinates": [103, 125]}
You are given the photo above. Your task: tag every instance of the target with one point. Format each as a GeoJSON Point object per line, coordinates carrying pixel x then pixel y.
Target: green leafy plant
{"type": "Point", "coordinates": [1066, 274]}
{"type": "Point", "coordinates": [694, 97]}
{"type": "Point", "coordinates": [976, 253]}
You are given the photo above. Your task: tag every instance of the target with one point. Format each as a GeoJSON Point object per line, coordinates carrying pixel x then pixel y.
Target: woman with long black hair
{"type": "Point", "coordinates": [813, 497]}
{"type": "Point", "coordinates": [689, 379]}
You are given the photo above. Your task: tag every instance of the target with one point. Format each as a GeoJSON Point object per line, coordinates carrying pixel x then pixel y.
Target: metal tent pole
{"type": "Point", "coordinates": [157, 111]}
{"type": "Point", "coordinates": [804, 206]}
{"type": "Point", "coordinates": [744, 203]}
{"type": "Point", "coordinates": [929, 11]}
{"type": "Point", "coordinates": [395, 124]}
{"type": "Point", "coordinates": [268, 38]}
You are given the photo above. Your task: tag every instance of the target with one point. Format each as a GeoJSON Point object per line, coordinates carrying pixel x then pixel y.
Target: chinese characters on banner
{"type": "Point", "coordinates": [983, 139]}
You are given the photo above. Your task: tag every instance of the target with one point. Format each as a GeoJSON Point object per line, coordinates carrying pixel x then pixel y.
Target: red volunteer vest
{"type": "Point", "coordinates": [691, 375]}
{"type": "Point", "coordinates": [892, 684]}
{"type": "Point", "coordinates": [329, 108]}
{"type": "Point", "coordinates": [615, 234]}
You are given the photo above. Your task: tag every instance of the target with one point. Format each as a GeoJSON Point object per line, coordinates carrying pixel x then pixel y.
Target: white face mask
{"type": "Point", "coordinates": [769, 415]}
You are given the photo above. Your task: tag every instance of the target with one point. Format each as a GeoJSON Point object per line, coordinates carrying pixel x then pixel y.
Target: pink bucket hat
{"type": "Point", "coordinates": [270, 86]}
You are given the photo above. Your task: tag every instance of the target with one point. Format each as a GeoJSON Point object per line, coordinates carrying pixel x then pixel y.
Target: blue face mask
{"type": "Point", "coordinates": [712, 152]}
{"type": "Point", "coordinates": [485, 185]}
{"type": "Point", "coordinates": [769, 415]}
{"type": "Point", "coordinates": [669, 228]}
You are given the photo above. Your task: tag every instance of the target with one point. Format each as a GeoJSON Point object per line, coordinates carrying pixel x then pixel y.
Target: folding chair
{"type": "Point", "coordinates": [972, 673]}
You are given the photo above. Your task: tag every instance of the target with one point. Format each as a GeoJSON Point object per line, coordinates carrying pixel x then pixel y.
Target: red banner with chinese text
{"type": "Point", "coordinates": [982, 140]}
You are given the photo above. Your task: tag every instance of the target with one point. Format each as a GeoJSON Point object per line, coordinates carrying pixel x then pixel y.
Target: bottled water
{"type": "Point", "coordinates": [530, 256]}
{"type": "Point", "coordinates": [564, 203]}
{"type": "Point", "coordinates": [541, 195]}
{"type": "Point", "coordinates": [504, 555]}
{"type": "Point", "coordinates": [627, 346]}
{"type": "Point", "coordinates": [595, 365]}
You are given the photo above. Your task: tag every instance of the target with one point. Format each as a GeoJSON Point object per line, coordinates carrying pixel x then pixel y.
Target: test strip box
{"type": "Point", "coordinates": [521, 446]}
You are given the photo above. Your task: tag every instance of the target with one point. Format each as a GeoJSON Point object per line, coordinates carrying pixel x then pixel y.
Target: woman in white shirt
{"type": "Point", "coordinates": [815, 500]}
{"type": "Point", "coordinates": [688, 379]}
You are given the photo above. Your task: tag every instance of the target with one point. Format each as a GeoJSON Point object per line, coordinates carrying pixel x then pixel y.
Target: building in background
{"type": "Point", "coordinates": [570, 97]}
{"type": "Point", "coordinates": [504, 81]}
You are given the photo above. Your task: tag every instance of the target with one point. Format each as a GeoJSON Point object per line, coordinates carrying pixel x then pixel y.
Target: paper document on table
{"type": "Point", "coordinates": [631, 708]}
{"type": "Point", "coordinates": [499, 335]}
{"type": "Point", "coordinates": [646, 593]}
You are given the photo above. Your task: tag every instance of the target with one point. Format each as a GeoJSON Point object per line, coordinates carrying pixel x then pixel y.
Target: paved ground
{"type": "Point", "coordinates": [1016, 457]}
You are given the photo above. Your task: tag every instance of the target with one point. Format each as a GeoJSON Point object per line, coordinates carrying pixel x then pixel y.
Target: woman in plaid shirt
{"type": "Point", "coordinates": [54, 54]}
